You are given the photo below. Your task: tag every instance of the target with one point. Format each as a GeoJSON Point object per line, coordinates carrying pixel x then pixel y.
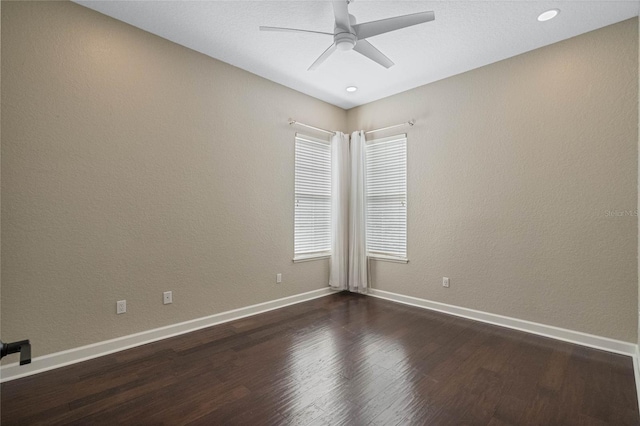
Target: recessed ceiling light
{"type": "Point", "coordinates": [352, 89]}
{"type": "Point", "coordinates": [549, 14]}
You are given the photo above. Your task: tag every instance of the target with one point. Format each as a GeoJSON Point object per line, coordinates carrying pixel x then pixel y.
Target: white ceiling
{"type": "Point", "coordinates": [465, 35]}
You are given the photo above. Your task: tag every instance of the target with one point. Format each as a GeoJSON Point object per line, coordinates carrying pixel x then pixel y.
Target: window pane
{"type": "Point", "coordinates": [312, 197]}
{"type": "Point", "coordinates": [386, 168]}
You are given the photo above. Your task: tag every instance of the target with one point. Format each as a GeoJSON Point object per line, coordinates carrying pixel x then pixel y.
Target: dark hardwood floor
{"type": "Point", "coordinates": [342, 359]}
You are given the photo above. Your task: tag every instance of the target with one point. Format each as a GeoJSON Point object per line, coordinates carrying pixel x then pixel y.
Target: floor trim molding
{"type": "Point", "coordinates": [577, 337]}
{"type": "Point", "coordinates": [60, 359]}
{"type": "Point", "coordinates": [636, 372]}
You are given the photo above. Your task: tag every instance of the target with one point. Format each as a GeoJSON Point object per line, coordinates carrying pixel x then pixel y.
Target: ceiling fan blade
{"type": "Point", "coordinates": [322, 57]}
{"type": "Point", "coordinates": [341, 12]}
{"type": "Point", "coordinates": [373, 28]}
{"type": "Point", "coordinates": [365, 48]}
{"type": "Point", "coordinates": [291, 30]}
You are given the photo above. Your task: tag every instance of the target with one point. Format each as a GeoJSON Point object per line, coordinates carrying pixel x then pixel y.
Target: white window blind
{"type": "Point", "coordinates": [386, 179]}
{"type": "Point", "coordinates": [312, 198]}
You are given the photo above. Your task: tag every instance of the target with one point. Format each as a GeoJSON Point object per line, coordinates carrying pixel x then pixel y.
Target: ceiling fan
{"type": "Point", "coordinates": [348, 35]}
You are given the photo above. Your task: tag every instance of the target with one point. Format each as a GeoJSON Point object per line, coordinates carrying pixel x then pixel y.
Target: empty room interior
{"type": "Point", "coordinates": [319, 213]}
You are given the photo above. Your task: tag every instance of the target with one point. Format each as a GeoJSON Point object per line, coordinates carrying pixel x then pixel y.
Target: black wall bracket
{"type": "Point", "coordinates": [23, 346]}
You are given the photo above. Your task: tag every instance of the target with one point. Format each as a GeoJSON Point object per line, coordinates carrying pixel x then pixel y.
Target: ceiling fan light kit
{"type": "Point", "coordinates": [349, 35]}
{"type": "Point", "coordinates": [345, 41]}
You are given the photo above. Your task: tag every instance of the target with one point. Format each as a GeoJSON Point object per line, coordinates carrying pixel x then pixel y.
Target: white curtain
{"type": "Point", "coordinates": [338, 276]}
{"type": "Point", "coordinates": [358, 277]}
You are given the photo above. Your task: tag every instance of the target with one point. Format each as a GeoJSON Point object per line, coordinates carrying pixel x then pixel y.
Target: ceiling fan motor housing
{"type": "Point", "coordinates": [345, 40]}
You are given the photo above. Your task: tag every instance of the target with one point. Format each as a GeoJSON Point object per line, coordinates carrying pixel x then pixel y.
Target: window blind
{"type": "Point", "coordinates": [312, 197]}
{"type": "Point", "coordinates": [386, 196]}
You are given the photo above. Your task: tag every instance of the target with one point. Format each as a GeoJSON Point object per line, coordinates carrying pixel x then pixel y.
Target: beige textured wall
{"type": "Point", "coordinates": [131, 166]}
{"type": "Point", "coordinates": [512, 168]}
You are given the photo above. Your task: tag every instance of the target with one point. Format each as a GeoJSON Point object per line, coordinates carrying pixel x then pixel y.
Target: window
{"type": "Point", "coordinates": [312, 236]}
{"type": "Point", "coordinates": [386, 197]}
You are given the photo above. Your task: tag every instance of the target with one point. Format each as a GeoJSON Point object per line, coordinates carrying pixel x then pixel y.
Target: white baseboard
{"type": "Point", "coordinates": [636, 373]}
{"type": "Point", "coordinates": [83, 353]}
{"type": "Point", "coordinates": [60, 359]}
{"type": "Point", "coordinates": [577, 337]}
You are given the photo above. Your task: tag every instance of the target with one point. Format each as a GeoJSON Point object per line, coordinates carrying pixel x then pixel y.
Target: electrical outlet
{"type": "Point", "coordinates": [445, 282]}
{"type": "Point", "coordinates": [121, 307]}
{"type": "Point", "coordinates": [278, 278]}
{"type": "Point", "coordinates": [167, 297]}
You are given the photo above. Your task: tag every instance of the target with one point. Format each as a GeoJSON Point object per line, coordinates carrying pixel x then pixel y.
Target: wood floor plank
{"type": "Point", "coordinates": [510, 410]}
{"type": "Point", "coordinates": [344, 359]}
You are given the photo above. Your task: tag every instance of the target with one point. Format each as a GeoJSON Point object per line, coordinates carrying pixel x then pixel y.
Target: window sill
{"type": "Point", "coordinates": [384, 258]}
{"type": "Point", "coordinates": [310, 257]}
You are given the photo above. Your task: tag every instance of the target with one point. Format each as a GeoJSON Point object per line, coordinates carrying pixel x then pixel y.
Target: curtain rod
{"type": "Point", "coordinates": [409, 123]}
{"type": "Point", "coordinates": [292, 122]}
